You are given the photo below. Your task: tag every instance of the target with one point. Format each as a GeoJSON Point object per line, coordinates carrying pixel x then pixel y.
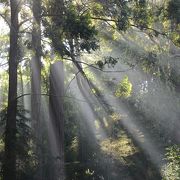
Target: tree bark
{"type": "Point", "coordinates": [9, 171]}
{"type": "Point", "coordinates": [57, 117]}
{"type": "Point", "coordinates": [36, 83]}
{"type": "Point", "coordinates": [36, 65]}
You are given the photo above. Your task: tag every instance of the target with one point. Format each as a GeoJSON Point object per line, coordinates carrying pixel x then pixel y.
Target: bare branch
{"type": "Point", "coordinates": [6, 20]}
{"type": "Point", "coordinates": [3, 64]}
{"type": "Point", "coordinates": [29, 94]}
{"type": "Point", "coordinates": [71, 81]}
{"type": "Point", "coordinates": [26, 20]}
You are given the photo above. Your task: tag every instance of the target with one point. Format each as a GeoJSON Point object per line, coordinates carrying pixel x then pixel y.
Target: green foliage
{"type": "Point", "coordinates": [124, 88]}
{"type": "Point", "coordinates": [108, 60]}
{"type": "Point", "coordinates": [73, 28]}
{"type": "Point", "coordinates": [174, 10]}
{"type": "Point", "coordinates": [141, 14]}
{"type": "Point", "coordinates": [130, 12]}
{"type": "Point", "coordinates": [71, 126]}
{"type": "Point", "coordinates": [123, 16]}
{"type": "Point", "coordinates": [78, 26]}
{"type": "Point", "coordinates": [97, 9]}
{"type": "Point", "coordinates": [3, 1]}
{"type": "Point", "coordinates": [123, 19]}
{"type": "Point", "coordinates": [173, 13]}
{"type": "Point", "coordinates": [100, 64]}
{"type": "Point", "coordinates": [23, 142]}
{"type": "Point", "coordinates": [175, 36]}
{"type": "Point", "coordinates": [172, 169]}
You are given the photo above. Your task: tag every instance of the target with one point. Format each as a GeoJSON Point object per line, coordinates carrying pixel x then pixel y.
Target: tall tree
{"type": "Point", "coordinates": [36, 63]}
{"type": "Point", "coordinates": [36, 81]}
{"type": "Point", "coordinates": [57, 117]}
{"type": "Point", "coordinates": [9, 171]}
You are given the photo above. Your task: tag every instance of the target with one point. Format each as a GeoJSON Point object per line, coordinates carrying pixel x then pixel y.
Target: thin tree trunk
{"type": "Point", "coordinates": [57, 117]}
{"type": "Point", "coordinates": [9, 172]}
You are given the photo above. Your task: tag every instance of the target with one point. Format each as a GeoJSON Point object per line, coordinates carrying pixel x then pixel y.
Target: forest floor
{"type": "Point", "coordinates": [117, 158]}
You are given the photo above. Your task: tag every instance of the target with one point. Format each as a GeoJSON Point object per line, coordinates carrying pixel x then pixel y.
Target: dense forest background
{"type": "Point", "coordinates": [89, 89]}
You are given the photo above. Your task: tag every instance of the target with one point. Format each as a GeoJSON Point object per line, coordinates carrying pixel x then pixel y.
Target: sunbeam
{"type": "Point", "coordinates": [89, 90]}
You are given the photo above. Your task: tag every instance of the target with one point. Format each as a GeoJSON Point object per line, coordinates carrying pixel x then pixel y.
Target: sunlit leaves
{"type": "Point", "coordinates": [173, 153]}
{"type": "Point", "coordinates": [141, 14]}
{"type": "Point", "coordinates": [74, 145]}
{"type": "Point", "coordinates": [89, 172]}
{"type": "Point", "coordinates": [172, 169]}
{"type": "Point", "coordinates": [69, 29]}
{"type": "Point", "coordinates": [124, 88]}
{"type": "Point", "coordinates": [97, 9]}
{"type": "Point", "coordinates": [175, 36]}
{"type": "Point", "coordinates": [115, 117]}
{"type": "Point", "coordinates": [119, 148]}
{"type": "Point", "coordinates": [3, 90]}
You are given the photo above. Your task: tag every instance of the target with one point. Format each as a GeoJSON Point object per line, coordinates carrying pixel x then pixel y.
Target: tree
{"type": "Point", "coordinates": [9, 171]}
{"type": "Point", "coordinates": [56, 102]}
{"type": "Point", "coordinates": [36, 81]}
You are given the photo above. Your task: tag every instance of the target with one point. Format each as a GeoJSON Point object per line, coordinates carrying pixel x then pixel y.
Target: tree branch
{"type": "Point", "coordinates": [6, 20]}
{"type": "Point", "coordinates": [71, 81]}
{"type": "Point", "coordinates": [105, 71]}
{"type": "Point", "coordinates": [43, 94]}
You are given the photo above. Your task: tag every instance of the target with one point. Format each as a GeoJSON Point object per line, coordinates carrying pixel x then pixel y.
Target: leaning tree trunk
{"type": "Point", "coordinates": [36, 83]}
{"type": "Point", "coordinates": [57, 117]}
{"type": "Point", "coordinates": [9, 172]}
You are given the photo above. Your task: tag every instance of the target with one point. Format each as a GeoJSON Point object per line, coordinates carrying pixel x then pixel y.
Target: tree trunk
{"type": "Point", "coordinates": [9, 171]}
{"type": "Point", "coordinates": [36, 65]}
{"type": "Point", "coordinates": [57, 117]}
{"type": "Point", "coordinates": [36, 83]}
